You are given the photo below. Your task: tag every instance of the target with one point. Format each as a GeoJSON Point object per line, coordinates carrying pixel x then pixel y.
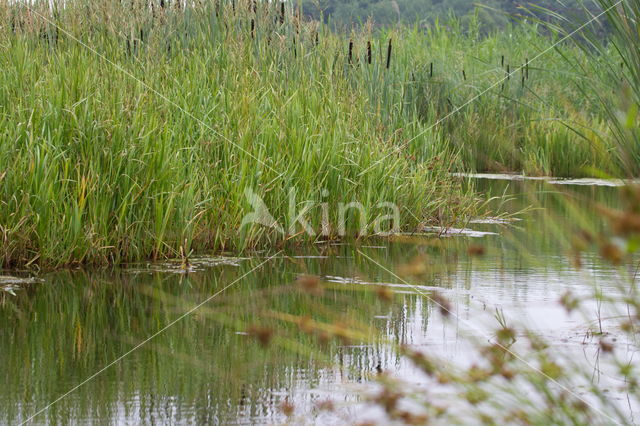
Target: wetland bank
{"type": "Point", "coordinates": [141, 284]}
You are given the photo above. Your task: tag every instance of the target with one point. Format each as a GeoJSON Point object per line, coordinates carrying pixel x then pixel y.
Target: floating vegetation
{"type": "Point", "coordinates": [196, 264]}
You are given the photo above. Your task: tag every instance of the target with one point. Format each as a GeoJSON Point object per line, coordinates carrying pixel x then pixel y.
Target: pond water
{"type": "Point", "coordinates": [240, 356]}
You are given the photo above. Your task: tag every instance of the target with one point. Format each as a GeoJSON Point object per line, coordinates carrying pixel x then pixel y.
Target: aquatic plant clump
{"type": "Point", "coordinates": [133, 129]}
{"type": "Point", "coordinates": [129, 136]}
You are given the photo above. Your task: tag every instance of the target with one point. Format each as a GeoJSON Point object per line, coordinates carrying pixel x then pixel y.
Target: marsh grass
{"type": "Point", "coordinates": [97, 168]}
{"type": "Point", "coordinates": [129, 136]}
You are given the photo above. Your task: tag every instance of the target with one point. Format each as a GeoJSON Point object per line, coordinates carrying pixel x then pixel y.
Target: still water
{"type": "Point", "coordinates": [251, 348]}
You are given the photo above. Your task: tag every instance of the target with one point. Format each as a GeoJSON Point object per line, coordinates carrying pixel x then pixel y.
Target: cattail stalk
{"type": "Point", "coordinates": [389, 54]}
{"type": "Point", "coordinates": [282, 13]}
{"type": "Point", "coordinates": [350, 52]}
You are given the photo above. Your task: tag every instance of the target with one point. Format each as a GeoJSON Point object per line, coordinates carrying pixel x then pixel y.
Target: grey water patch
{"type": "Point", "coordinates": [494, 220]}
{"type": "Point", "coordinates": [196, 264]}
{"type": "Point", "coordinates": [10, 284]}
{"type": "Point", "coordinates": [453, 232]}
{"type": "Point", "coordinates": [549, 179]}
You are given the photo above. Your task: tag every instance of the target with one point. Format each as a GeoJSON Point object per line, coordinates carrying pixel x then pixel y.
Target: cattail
{"type": "Point", "coordinates": [253, 27]}
{"type": "Point", "coordinates": [162, 5]}
{"type": "Point", "coordinates": [521, 70]}
{"type": "Point", "coordinates": [508, 72]}
{"type": "Point", "coordinates": [431, 69]}
{"type": "Point", "coordinates": [369, 52]}
{"type": "Point", "coordinates": [464, 75]}
{"type": "Point", "coordinates": [526, 69]}
{"type": "Point", "coordinates": [281, 13]}
{"type": "Point", "coordinates": [141, 35]}
{"type": "Point", "coordinates": [502, 61]}
{"type": "Point", "coordinates": [295, 50]}
{"type": "Point", "coordinates": [389, 54]}
{"type": "Point", "coordinates": [317, 40]}
{"type": "Point", "coordinates": [350, 51]}
{"type": "Point", "coordinates": [128, 47]}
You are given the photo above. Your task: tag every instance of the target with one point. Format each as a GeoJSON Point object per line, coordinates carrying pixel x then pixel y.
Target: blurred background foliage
{"type": "Point", "coordinates": [492, 14]}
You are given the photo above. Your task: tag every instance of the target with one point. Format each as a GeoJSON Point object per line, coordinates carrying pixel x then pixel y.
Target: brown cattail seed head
{"type": "Point", "coordinates": [260, 333]}
{"type": "Point", "coordinates": [310, 284]}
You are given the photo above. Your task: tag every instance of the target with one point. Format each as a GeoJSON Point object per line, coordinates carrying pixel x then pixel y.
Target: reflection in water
{"type": "Point", "coordinates": [215, 366]}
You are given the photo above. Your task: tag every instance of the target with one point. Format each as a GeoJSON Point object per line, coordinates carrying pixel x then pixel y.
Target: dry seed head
{"type": "Point", "coordinates": [507, 373]}
{"type": "Point", "coordinates": [477, 374]}
{"type": "Point", "coordinates": [412, 419]}
{"type": "Point", "coordinates": [443, 304]}
{"type": "Point", "coordinates": [287, 408]}
{"type": "Point", "coordinates": [421, 361]}
{"type": "Point", "coordinates": [579, 243]}
{"type": "Point", "coordinates": [612, 253]}
{"type": "Point", "coordinates": [605, 346]}
{"type": "Point", "coordinates": [631, 195]}
{"type": "Point", "coordinates": [415, 268]}
{"type": "Point", "coordinates": [627, 223]}
{"type": "Point", "coordinates": [443, 378]}
{"type": "Point", "coordinates": [310, 284]}
{"type": "Point", "coordinates": [576, 259]}
{"type": "Point", "coordinates": [323, 338]}
{"type": "Point", "coordinates": [326, 405]}
{"type": "Point", "coordinates": [627, 327]}
{"type": "Point", "coordinates": [306, 324]}
{"type": "Point", "coordinates": [384, 294]}
{"type": "Point", "coordinates": [388, 399]}
{"type": "Point", "coordinates": [260, 333]}
{"type": "Point", "coordinates": [475, 250]}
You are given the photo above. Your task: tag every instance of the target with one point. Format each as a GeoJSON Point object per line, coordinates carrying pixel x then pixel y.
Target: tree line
{"type": "Point", "coordinates": [490, 14]}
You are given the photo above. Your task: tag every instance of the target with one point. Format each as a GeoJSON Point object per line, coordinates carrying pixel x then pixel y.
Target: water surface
{"type": "Point", "coordinates": [212, 367]}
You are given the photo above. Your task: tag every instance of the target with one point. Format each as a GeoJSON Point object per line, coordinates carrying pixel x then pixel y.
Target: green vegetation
{"type": "Point", "coordinates": [129, 136]}
{"type": "Point", "coordinates": [492, 13]}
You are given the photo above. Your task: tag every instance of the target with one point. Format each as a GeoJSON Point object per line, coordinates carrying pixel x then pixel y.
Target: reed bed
{"type": "Point", "coordinates": [131, 129]}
